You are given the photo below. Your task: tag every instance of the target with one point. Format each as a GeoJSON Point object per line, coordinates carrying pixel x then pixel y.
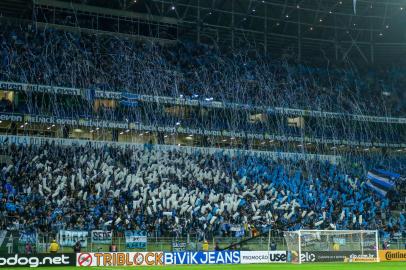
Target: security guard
{"type": "Point", "coordinates": [54, 247]}
{"type": "Point", "coordinates": [205, 245]}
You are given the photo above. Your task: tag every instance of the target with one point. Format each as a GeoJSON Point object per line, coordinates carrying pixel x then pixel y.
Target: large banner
{"type": "Point", "coordinates": [120, 259]}
{"type": "Point", "coordinates": [37, 260]}
{"type": "Point", "coordinates": [392, 255]}
{"type": "Point", "coordinates": [210, 257]}
{"type": "Point", "coordinates": [248, 257]}
{"type": "Point", "coordinates": [101, 237]}
{"type": "Point", "coordinates": [69, 238]}
{"type": "Point", "coordinates": [135, 239]}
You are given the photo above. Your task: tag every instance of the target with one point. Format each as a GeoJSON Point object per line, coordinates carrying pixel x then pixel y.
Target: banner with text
{"type": "Point", "coordinates": [178, 246]}
{"type": "Point", "coordinates": [392, 255]}
{"type": "Point", "coordinates": [211, 257]}
{"type": "Point", "coordinates": [248, 257]}
{"type": "Point", "coordinates": [135, 239]}
{"type": "Point", "coordinates": [120, 259]}
{"type": "Point", "coordinates": [28, 237]}
{"type": "Point", "coordinates": [69, 238]}
{"type": "Point", "coordinates": [37, 260]}
{"type": "Point", "coordinates": [101, 237]}
{"type": "Point", "coordinates": [338, 256]}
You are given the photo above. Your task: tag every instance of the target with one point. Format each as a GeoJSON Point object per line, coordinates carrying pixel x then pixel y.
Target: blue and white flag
{"type": "Point", "coordinates": [380, 179]}
{"type": "Point", "coordinates": [391, 175]}
{"type": "Point", "coordinates": [376, 189]}
{"type": "Point", "coordinates": [135, 239]}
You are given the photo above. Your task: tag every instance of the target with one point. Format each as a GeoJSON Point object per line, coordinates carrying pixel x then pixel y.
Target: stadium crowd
{"type": "Point", "coordinates": [172, 192]}
{"type": "Point", "coordinates": [55, 57]}
{"type": "Point", "coordinates": [175, 192]}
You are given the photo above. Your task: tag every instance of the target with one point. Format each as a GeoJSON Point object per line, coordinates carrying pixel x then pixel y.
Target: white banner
{"type": "Point", "coordinates": [101, 237]}
{"type": "Point", "coordinates": [120, 259]}
{"type": "Point", "coordinates": [69, 238]}
{"type": "Point", "coordinates": [248, 257]}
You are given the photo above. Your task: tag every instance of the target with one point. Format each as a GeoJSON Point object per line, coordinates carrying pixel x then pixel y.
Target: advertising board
{"type": "Point", "coordinates": [37, 260]}
{"type": "Point", "coordinates": [392, 255]}
{"type": "Point", "coordinates": [248, 257]}
{"type": "Point", "coordinates": [209, 257]}
{"type": "Point", "coordinates": [120, 259]}
{"type": "Point", "coordinates": [338, 256]}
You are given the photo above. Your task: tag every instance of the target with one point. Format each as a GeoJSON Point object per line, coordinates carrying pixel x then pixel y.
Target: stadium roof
{"type": "Point", "coordinates": [371, 30]}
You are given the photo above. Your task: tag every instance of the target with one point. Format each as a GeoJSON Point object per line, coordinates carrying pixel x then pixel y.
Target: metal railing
{"type": "Point", "coordinates": [165, 244]}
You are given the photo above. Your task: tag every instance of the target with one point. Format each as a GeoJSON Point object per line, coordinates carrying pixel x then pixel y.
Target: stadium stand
{"type": "Point", "coordinates": [171, 138]}
{"type": "Point", "coordinates": [71, 59]}
{"type": "Point", "coordinates": [171, 193]}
